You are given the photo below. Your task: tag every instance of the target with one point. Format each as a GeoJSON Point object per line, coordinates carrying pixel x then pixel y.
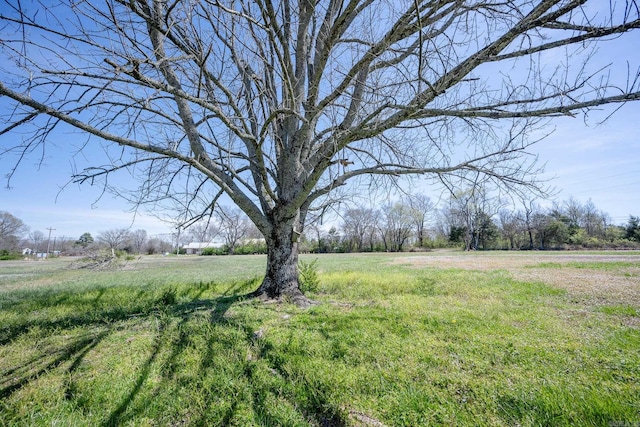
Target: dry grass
{"type": "Point", "coordinates": [579, 273]}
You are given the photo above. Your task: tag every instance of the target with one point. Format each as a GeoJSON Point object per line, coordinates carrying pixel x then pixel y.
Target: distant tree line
{"type": "Point", "coordinates": [564, 225]}
{"type": "Point", "coordinates": [471, 220]}
{"type": "Point", "coordinates": [228, 228]}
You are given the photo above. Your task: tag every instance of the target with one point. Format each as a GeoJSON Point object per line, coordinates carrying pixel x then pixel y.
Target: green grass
{"type": "Point", "coordinates": [621, 310]}
{"type": "Point", "coordinates": [171, 341]}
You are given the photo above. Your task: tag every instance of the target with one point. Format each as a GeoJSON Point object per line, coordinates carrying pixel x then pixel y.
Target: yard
{"type": "Point", "coordinates": [439, 338]}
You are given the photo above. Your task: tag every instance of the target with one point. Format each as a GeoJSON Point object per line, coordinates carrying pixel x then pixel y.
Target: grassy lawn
{"type": "Point", "coordinates": [449, 338]}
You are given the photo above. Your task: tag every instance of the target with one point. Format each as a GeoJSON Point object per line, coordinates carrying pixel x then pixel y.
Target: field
{"type": "Point", "coordinates": [441, 338]}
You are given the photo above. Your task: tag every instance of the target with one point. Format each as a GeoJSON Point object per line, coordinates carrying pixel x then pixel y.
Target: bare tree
{"type": "Point", "coordinates": [204, 231]}
{"type": "Point", "coordinates": [461, 214]}
{"type": "Point", "coordinates": [606, 224]}
{"type": "Point", "coordinates": [11, 231]}
{"type": "Point", "coordinates": [157, 245]}
{"type": "Point", "coordinates": [397, 226]}
{"type": "Point", "coordinates": [531, 212]}
{"type": "Point", "coordinates": [316, 231]}
{"type": "Point", "coordinates": [421, 209]}
{"type": "Point", "coordinates": [66, 245]}
{"type": "Point", "coordinates": [574, 210]}
{"type": "Point", "coordinates": [234, 226]}
{"type": "Point", "coordinates": [114, 238]}
{"type": "Point", "coordinates": [280, 104]}
{"type": "Point", "coordinates": [36, 238]}
{"type": "Point", "coordinates": [593, 221]}
{"type": "Point", "coordinates": [357, 224]}
{"type": "Point", "coordinates": [473, 210]}
{"type": "Point", "coordinates": [511, 226]}
{"type": "Point", "coordinates": [138, 239]}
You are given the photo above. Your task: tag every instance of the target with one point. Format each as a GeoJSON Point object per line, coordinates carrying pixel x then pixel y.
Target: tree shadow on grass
{"type": "Point", "coordinates": [129, 406]}
{"type": "Point", "coordinates": [170, 343]}
{"type": "Point", "coordinates": [183, 312]}
{"type": "Point", "coordinates": [116, 417]}
{"type": "Point", "coordinates": [14, 379]}
{"type": "Point", "coordinates": [90, 313]}
{"type": "Point", "coordinates": [93, 316]}
{"type": "Point", "coordinates": [316, 412]}
{"type": "Point", "coordinates": [314, 407]}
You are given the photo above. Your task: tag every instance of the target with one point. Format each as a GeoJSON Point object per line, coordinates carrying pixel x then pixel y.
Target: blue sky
{"type": "Point", "coordinates": [592, 160]}
{"type": "Point", "coordinates": [597, 162]}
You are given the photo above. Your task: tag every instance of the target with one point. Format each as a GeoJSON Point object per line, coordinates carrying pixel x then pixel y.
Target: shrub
{"type": "Point", "coordinates": [5, 255]}
{"type": "Point", "coordinates": [308, 276]}
{"type": "Point", "coordinates": [216, 251]}
{"type": "Point", "coordinates": [251, 248]}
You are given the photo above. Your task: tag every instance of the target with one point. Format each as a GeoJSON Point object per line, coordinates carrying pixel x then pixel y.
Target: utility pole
{"type": "Point", "coordinates": [49, 240]}
{"type": "Point", "coordinates": [178, 242]}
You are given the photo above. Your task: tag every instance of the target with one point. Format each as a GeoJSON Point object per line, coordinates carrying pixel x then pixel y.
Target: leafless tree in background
{"type": "Point", "coordinates": [470, 209]}
{"type": "Point", "coordinates": [397, 226]}
{"type": "Point", "coordinates": [234, 226]}
{"type": "Point", "coordinates": [36, 238]}
{"type": "Point", "coordinates": [277, 105]}
{"type": "Point", "coordinates": [512, 226]}
{"type": "Point", "coordinates": [114, 238]}
{"type": "Point", "coordinates": [422, 208]}
{"type": "Point", "coordinates": [204, 231]}
{"type": "Point", "coordinates": [138, 240]}
{"type": "Point", "coordinates": [530, 211]}
{"type": "Point", "coordinates": [12, 230]}
{"type": "Point", "coordinates": [357, 225]}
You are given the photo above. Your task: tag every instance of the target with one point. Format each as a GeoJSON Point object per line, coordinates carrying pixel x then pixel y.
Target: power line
{"type": "Point", "coordinates": [49, 241]}
{"type": "Point", "coordinates": [600, 178]}
{"type": "Point", "coordinates": [592, 190]}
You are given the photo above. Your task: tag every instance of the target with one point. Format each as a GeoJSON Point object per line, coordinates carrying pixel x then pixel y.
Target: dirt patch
{"type": "Point", "coordinates": [584, 283]}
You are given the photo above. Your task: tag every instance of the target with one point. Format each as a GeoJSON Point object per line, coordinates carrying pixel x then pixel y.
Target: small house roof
{"type": "Point", "coordinates": [204, 245]}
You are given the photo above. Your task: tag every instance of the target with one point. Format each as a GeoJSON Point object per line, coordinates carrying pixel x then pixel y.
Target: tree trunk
{"type": "Point", "coordinates": [281, 278]}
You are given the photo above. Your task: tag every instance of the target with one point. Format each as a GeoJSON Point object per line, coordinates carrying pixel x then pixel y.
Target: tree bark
{"type": "Point", "coordinates": [281, 278]}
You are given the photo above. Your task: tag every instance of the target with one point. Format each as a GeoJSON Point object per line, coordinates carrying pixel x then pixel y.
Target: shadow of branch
{"type": "Point", "coordinates": [178, 320]}
{"type": "Point", "coordinates": [19, 377]}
